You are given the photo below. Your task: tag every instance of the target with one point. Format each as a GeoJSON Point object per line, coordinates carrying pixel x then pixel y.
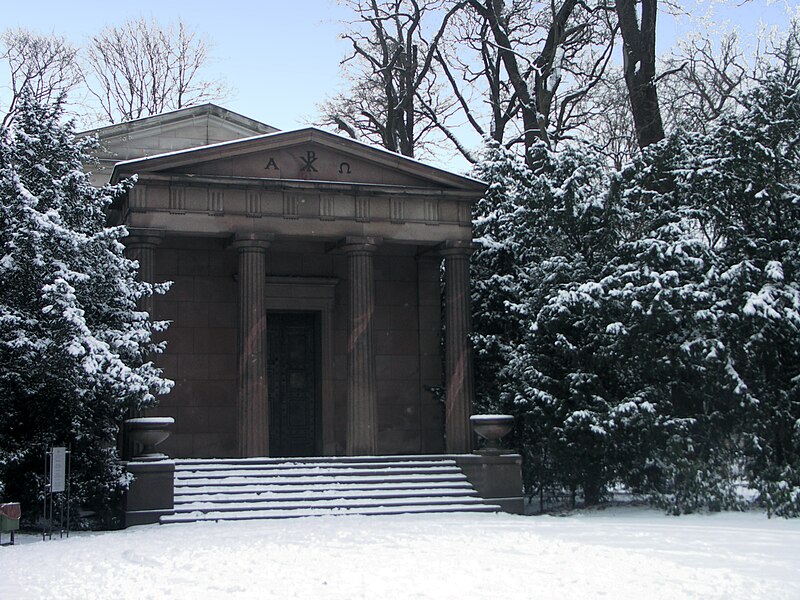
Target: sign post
{"type": "Point", "coordinates": [56, 475]}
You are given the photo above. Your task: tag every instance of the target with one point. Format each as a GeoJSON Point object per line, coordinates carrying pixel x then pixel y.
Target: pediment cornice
{"type": "Point", "coordinates": [306, 156]}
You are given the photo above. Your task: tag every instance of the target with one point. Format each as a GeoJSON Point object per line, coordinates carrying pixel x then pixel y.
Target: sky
{"type": "Point", "coordinates": [281, 58]}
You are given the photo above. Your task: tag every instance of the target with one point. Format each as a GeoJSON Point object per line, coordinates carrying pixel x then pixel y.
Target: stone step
{"type": "Point", "coordinates": [266, 460]}
{"type": "Point", "coordinates": [309, 503]}
{"type": "Point", "coordinates": [333, 485]}
{"type": "Point", "coordinates": [328, 480]}
{"type": "Point", "coordinates": [299, 471]}
{"type": "Point", "coordinates": [191, 465]}
{"type": "Point", "coordinates": [261, 488]}
{"type": "Point", "coordinates": [316, 512]}
{"type": "Point", "coordinates": [323, 495]}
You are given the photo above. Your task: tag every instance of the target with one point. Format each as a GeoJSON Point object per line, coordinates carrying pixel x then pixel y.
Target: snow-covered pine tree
{"type": "Point", "coordinates": [73, 346]}
{"type": "Point", "coordinates": [555, 373]}
{"type": "Point", "coordinates": [675, 400]}
{"type": "Point", "coordinates": [747, 172]}
{"type": "Point", "coordinates": [645, 326]}
{"type": "Point", "coordinates": [538, 232]}
{"type": "Point", "coordinates": [504, 228]}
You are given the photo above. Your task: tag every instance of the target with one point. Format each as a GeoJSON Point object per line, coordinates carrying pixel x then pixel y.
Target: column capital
{"type": "Point", "coordinates": [357, 243]}
{"type": "Point", "coordinates": [143, 238]}
{"type": "Point", "coordinates": [242, 241]}
{"type": "Point", "coordinates": [458, 248]}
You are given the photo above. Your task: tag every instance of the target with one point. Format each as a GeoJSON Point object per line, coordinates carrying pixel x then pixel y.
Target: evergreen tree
{"type": "Point", "coordinates": [644, 326]}
{"type": "Point", "coordinates": [538, 232]}
{"type": "Point", "coordinates": [746, 174]}
{"type": "Point", "coordinates": [73, 346]}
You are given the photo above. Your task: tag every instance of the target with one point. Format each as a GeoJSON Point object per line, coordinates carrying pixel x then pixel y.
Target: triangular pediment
{"type": "Point", "coordinates": [304, 155]}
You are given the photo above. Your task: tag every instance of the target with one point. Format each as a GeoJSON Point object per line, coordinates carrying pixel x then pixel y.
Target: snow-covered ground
{"type": "Point", "coordinates": [613, 553]}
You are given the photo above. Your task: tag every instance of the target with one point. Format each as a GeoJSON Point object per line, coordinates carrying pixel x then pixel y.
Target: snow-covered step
{"type": "Point", "coordinates": [320, 472]}
{"type": "Point", "coordinates": [236, 496]}
{"type": "Point", "coordinates": [375, 478]}
{"type": "Point", "coordinates": [311, 502]}
{"type": "Point", "coordinates": [261, 488]}
{"type": "Point", "coordinates": [317, 512]}
{"type": "Point", "coordinates": [270, 464]}
{"type": "Point", "coordinates": [314, 460]}
{"type": "Point", "coordinates": [337, 487]}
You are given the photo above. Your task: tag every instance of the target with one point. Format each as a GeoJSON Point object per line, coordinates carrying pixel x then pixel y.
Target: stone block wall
{"type": "Point", "coordinates": [201, 355]}
{"type": "Point", "coordinates": [202, 345]}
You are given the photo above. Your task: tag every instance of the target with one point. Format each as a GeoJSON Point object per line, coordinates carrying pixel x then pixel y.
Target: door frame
{"type": "Point", "coordinates": [312, 295]}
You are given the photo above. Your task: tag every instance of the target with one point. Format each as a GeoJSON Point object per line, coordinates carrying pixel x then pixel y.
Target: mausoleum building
{"type": "Point", "coordinates": [307, 311]}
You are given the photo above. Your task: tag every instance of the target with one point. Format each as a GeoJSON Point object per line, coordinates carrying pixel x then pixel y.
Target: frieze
{"type": "Point", "coordinates": [232, 201]}
{"type": "Point", "coordinates": [465, 213]}
{"type": "Point", "coordinates": [138, 197]}
{"type": "Point", "coordinates": [362, 208]}
{"type": "Point", "coordinates": [398, 210]}
{"type": "Point", "coordinates": [431, 211]}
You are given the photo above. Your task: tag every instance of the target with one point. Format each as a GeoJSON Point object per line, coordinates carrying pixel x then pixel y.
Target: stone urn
{"type": "Point", "coordinates": [492, 428]}
{"type": "Point", "coordinates": [147, 433]}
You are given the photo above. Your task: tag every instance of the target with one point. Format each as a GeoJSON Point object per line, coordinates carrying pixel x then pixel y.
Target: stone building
{"type": "Point", "coordinates": [307, 309]}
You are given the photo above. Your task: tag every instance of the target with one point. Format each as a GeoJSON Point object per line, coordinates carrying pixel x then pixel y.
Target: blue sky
{"type": "Point", "coordinates": [282, 57]}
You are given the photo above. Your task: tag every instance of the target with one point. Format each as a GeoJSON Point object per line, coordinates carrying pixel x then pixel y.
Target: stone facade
{"type": "Point", "coordinates": [306, 306]}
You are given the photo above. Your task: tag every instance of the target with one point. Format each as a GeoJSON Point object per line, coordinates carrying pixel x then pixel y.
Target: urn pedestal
{"type": "Point", "coordinates": [152, 492]}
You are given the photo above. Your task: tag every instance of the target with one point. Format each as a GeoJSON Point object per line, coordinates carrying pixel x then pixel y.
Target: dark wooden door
{"type": "Point", "coordinates": [292, 377]}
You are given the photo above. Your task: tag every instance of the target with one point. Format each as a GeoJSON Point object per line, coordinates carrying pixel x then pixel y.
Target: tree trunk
{"type": "Point", "coordinates": [639, 53]}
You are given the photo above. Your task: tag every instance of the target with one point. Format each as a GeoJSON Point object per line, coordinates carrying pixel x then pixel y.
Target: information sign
{"type": "Point", "coordinates": [58, 470]}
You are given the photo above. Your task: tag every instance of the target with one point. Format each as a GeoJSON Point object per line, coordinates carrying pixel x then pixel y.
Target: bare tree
{"type": "Point", "coordinates": [45, 65]}
{"type": "Point", "coordinates": [391, 65]}
{"type": "Point", "coordinates": [611, 131]}
{"type": "Point", "coordinates": [496, 15]}
{"type": "Point", "coordinates": [471, 65]}
{"type": "Point", "coordinates": [142, 68]}
{"type": "Point", "coordinates": [780, 52]}
{"type": "Point", "coordinates": [553, 54]}
{"type": "Point", "coordinates": [517, 71]}
{"type": "Point", "coordinates": [700, 80]}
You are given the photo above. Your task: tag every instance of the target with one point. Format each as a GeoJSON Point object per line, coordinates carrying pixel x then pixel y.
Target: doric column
{"type": "Point", "coordinates": [458, 349]}
{"type": "Point", "coordinates": [252, 392]}
{"type": "Point", "coordinates": [140, 245]}
{"type": "Point", "coordinates": [362, 420]}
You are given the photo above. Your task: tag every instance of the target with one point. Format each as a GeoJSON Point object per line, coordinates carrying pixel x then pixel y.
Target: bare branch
{"type": "Point", "coordinates": [46, 65]}
{"type": "Point", "coordinates": [142, 68]}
